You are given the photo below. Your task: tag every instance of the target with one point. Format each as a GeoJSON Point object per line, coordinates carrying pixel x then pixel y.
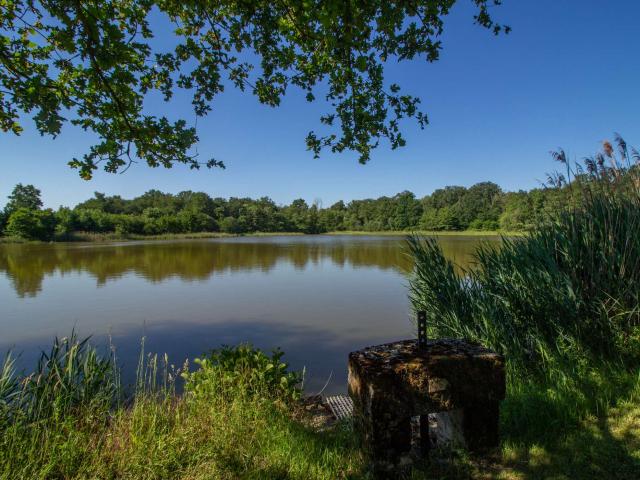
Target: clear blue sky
{"type": "Point", "coordinates": [567, 75]}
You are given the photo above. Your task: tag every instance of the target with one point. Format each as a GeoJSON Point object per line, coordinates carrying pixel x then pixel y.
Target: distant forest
{"type": "Point", "coordinates": [483, 206]}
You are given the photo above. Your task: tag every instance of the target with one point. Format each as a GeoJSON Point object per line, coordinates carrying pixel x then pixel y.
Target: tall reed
{"type": "Point", "coordinates": [561, 303]}
{"type": "Point", "coordinates": [72, 375]}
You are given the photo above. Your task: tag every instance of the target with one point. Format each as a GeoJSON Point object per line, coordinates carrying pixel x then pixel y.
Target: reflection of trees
{"type": "Point", "coordinates": [27, 265]}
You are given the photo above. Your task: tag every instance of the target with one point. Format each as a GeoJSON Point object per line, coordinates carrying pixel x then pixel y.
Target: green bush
{"type": "Point", "coordinates": [65, 222]}
{"type": "Point", "coordinates": [478, 224]}
{"type": "Point", "coordinates": [31, 224]}
{"type": "Point", "coordinates": [152, 226]}
{"type": "Point", "coordinates": [128, 224]}
{"type": "Point", "coordinates": [243, 370]}
{"type": "Point", "coordinates": [445, 218]}
{"type": "Point", "coordinates": [192, 221]}
{"type": "Point", "coordinates": [232, 225]}
{"type": "Point", "coordinates": [93, 220]}
{"type": "Point", "coordinates": [169, 224]}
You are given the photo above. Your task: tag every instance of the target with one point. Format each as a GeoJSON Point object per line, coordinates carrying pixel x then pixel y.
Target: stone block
{"type": "Point", "coordinates": [393, 382]}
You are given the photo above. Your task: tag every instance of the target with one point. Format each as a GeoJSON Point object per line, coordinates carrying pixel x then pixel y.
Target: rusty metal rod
{"type": "Point", "coordinates": [422, 329]}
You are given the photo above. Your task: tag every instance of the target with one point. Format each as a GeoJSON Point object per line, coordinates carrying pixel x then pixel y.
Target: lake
{"type": "Point", "coordinates": [317, 297]}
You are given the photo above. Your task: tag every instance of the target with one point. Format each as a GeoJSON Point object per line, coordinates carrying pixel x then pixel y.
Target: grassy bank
{"type": "Point", "coordinates": [89, 237]}
{"type": "Point", "coordinates": [115, 237]}
{"type": "Point", "coordinates": [14, 240]}
{"type": "Point", "coordinates": [107, 237]}
{"type": "Point", "coordinates": [240, 416]}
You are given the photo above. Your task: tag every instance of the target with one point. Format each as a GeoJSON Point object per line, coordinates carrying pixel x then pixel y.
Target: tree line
{"type": "Point", "coordinates": [483, 206]}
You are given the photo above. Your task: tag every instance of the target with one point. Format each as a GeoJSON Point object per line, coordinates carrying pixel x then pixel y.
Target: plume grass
{"type": "Point", "coordinates": [562, 304]}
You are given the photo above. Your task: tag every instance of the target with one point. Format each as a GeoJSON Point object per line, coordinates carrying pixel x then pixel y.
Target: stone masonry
{"type": "Point", "coordinates": [391, 383]}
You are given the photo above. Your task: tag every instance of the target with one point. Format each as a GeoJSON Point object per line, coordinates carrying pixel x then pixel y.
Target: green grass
{"type": "Point", "coordinates": [105, 237]}
{"type": "Point", "coordinates": [14, 240]}
{"type": "Point", "coordinates": [240, 417]}
{"type": "Point", "coordinates": [605, 446]}
{"type": "Point", "coordinates": [116, 237]}
{"type": "Point", "coordinates": [598, 448]}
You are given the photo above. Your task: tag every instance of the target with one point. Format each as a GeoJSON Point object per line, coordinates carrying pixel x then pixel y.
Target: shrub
{"type": "Point", "coordinates": [243, 370]}
{"type": "Point", "coordinates": [65, 222]}
{"type": "Point", "coordinates": [93, 220]}
{"type": "Point", "coordinates": [232, 225]}
{"type": "Point", "coordinates": [486, 225]}
{"type": "Point", "coordinates": [445, 218]}
{"type": "Point", "coordinates": [31, 224]}
{"type": "Point", "coordinates": [127, 224]}
{"type": "Point", "coordinates": [151, 226]}
{"type": "Point", "coordinates": [170, 224]}
{"type": "Point", "coordinates": [193, 221]}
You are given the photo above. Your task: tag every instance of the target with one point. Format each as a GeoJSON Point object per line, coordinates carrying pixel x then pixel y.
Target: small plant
{"type": "Point", "coordinates": [243, 370]}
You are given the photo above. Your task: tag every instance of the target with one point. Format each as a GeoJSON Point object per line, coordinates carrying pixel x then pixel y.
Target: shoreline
{"type": "Point", "coordinates": [430, 233]}
{"type": "Point", "coordinates": [87, 237]}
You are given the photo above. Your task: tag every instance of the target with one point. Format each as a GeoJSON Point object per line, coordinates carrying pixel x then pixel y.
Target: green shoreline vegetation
{"type": "Point", "coordinates": [480, 209]}
{"type": "Point", "coordinates": [240, 415]}
{"type": "Point", "coordinates": [433, 233]}
{"type": "Point", "coordinates": [88, 237]}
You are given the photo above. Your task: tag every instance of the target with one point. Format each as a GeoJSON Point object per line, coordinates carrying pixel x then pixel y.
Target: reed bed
{"type": "Point", "coordinates": [562, 303]}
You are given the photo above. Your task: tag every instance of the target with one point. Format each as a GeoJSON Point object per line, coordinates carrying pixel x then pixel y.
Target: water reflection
{"type": "Point", "coordinates": [27, 265]}
{"type": "Point", "coordinates": [316, 297]}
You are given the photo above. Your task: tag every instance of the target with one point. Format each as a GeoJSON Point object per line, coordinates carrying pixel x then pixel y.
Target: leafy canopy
{"type": "Point", "coordinates": [23, 196]}
{"type": "Point", "coordinates": [94, 62]}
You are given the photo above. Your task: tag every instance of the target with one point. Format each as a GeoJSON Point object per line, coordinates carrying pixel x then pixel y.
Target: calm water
{"type": "Point", "coordinates": [316, 297]}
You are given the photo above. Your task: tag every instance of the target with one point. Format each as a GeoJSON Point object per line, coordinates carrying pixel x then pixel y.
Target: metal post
{"type": "Point", "coordinates": [422, 329]}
